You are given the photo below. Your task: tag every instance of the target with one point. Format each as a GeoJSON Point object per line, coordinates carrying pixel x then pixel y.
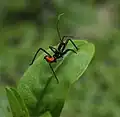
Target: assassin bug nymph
{"type": "Point", "coordinates": [59, 52]}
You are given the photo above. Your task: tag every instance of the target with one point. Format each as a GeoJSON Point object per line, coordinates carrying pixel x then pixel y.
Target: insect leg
{"type": "Point", "coordinates": [53, 72]}
{"type": "Point", "coordinates": [37, 53]}
{"type": "Point", "coordinates": [67, 37]}
{"type": "Point", "coordinates": [61, 46]}
{"type": "Point", "coordinates": [53, 49]}
{"type": "Point", "coordinates": [71, 42]}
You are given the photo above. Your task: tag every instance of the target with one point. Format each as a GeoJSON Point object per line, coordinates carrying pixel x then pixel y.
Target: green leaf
{"type": "Point", "coordinates": [39, 87]}
{"type": "Point", "coordinates": [17, 104]}
{"type": "Point", "coordinates": [5, 109]}
{"type": "Point", "coordinates": [4, 104]}
{"type": "Point", "coordinates": [47, 114]}
{"type": "Point", "coordinates": [2, 113]}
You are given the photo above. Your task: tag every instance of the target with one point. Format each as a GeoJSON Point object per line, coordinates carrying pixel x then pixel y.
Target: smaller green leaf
{"type": "Point", "coordinates": [47, 114]}
{"type": "Point", "coordinates": [2, 113]}
{"type": "Point", "coordinates": [5, 110]}
{"type": "Point", "coordinates": [17, 105]}
{"type": "Point", "coordinates": [21, 102]}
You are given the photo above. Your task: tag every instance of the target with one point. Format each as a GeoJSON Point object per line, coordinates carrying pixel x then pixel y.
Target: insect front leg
{"type": "Point", "coordinates": [67, 37]}
{"type": "Point", "coordinates": [37, 53]}
{"type": "Point", "coordinates": [53, 49]}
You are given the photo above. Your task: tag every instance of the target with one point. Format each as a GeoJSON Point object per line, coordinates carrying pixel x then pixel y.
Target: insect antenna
{"type": "Point", "coordinates": [58, 31]}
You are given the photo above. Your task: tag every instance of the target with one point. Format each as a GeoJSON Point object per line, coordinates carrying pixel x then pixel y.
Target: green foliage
{"type": "Point", "coordinates": [4, 104]}
{"type": "Point", "coordinates": [47, 114]}
{"type": "Point", "coordinates": [39, 88]}
{"type": "Point", "coordinates": [27, 25]}
{"type": "Point", "coordinates": [17, 105]}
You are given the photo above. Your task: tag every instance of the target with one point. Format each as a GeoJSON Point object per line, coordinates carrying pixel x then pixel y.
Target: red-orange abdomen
{"type": "Point", "coordinates": [50, 59]}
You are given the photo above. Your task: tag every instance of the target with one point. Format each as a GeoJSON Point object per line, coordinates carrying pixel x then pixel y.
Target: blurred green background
{"type": "Point", "coordinates": [26, 25]}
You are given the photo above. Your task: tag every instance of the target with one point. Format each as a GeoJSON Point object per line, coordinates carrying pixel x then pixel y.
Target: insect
{"type": "Point", "coordinates": [59, 52]}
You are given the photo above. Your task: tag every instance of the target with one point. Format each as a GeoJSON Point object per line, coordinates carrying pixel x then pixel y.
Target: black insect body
{"type": "Point", "coordinates": [59, 52]}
